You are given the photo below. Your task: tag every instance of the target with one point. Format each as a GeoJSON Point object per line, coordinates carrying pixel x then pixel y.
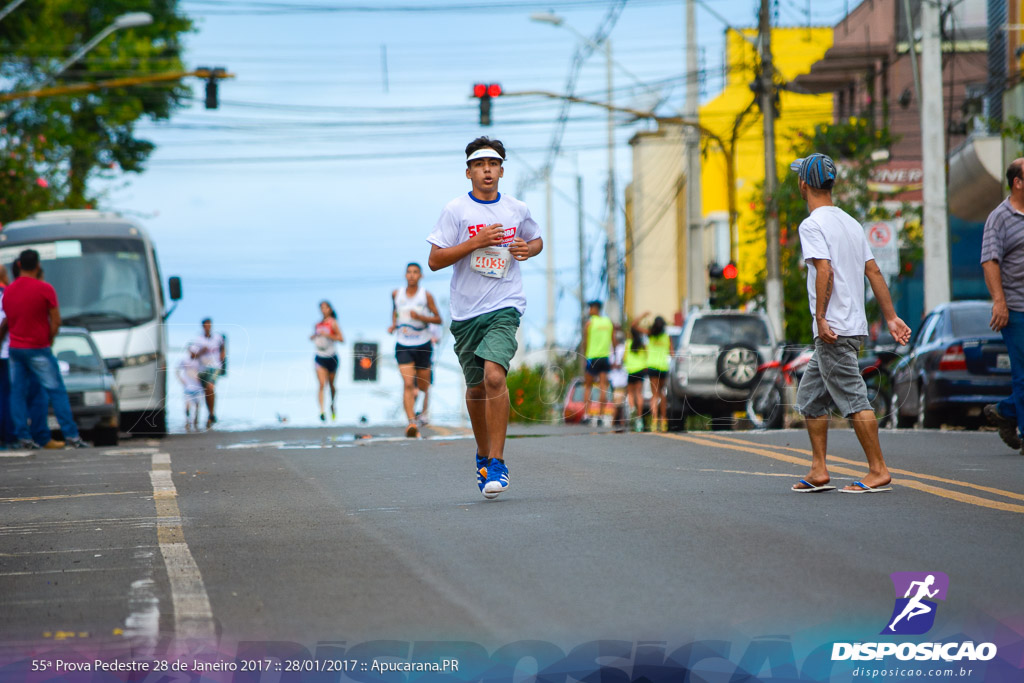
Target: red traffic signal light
{"type": "Point", "coordinates": [729, 272]}
{"type": "Point", "coordinates": [481, 90]}
{"type": "Point", "coordinates": [484, 92]}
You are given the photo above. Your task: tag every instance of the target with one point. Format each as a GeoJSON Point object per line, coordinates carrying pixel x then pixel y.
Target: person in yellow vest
{"type": "Point", "coordinates": [659, 351]}
{"type": "Point", "coordinates": [597, 345]}
{"type": "Point", "coordinates": [635, 364]}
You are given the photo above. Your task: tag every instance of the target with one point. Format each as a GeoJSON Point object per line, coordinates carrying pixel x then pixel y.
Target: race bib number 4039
{"type": "Point", "coordinates": [491, 261]}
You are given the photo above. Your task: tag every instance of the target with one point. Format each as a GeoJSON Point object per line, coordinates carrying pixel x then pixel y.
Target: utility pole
{"type": "Point", "coordinates": [773, 283]}
{"type": "Point", "coordinates": [583, 255]}
{"type": "Point", "coordinates": [933, 161]}
{"type": "Point", "coordinates": [613, 309]}
{"type": "Point", "coordinates": [696, 293]}
{"type": "Point", "coordinates": [549, 247]}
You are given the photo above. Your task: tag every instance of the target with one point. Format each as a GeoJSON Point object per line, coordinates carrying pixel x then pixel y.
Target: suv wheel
{"type": "Point", "coordinates": [737, 366]}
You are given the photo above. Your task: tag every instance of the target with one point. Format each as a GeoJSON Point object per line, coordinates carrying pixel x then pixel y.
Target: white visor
{"type": "Point", "coordinates": [484, 153]}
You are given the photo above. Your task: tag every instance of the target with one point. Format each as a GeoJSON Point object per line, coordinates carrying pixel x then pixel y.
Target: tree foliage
{"type": "Point", "coordinates": [59, 143]}
{"type": "Point", "coordinates": [850, 143]}
{"type": "Point", "coordinates": [1013, 129]}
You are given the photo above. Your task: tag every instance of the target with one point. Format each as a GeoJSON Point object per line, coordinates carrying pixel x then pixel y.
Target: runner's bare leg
{"type": "Point", "coordinates": [476, 404]}
{"type": "Point", "coordinates": [497, 409]}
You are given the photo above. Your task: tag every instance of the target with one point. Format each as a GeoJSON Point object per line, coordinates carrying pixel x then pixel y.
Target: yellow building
{"type": "Point", "coordinates": [735, 117]}
{"type": "Point", "coordinates": [656, 225]}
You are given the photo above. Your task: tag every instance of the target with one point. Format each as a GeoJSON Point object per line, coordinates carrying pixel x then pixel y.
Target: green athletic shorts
{"type": "Point", "coordinates": [491, 336]}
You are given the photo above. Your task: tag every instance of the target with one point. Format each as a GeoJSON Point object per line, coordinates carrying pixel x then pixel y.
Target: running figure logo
{"type": "Point", "coordinates": [914, 613]}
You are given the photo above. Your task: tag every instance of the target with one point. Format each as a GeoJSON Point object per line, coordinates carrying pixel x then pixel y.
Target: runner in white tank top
{"type": "Point", "coordinates": [326, 335]}
{"type": "Point", "coordinates": [413, 311]}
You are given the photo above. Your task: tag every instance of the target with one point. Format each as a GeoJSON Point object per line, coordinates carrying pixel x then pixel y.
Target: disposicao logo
{"type": "Point", "coordinates": [913, 614]}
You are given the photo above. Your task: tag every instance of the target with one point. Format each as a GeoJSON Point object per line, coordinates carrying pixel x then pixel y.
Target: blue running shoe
{"type": "Point", "coordinates": [481, 471]}
{"type": "Point", "coordinates": [497, 478]}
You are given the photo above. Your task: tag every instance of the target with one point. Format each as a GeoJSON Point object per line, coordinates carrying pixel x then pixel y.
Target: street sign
{"type": "Point", "coordinates": [884, 239]}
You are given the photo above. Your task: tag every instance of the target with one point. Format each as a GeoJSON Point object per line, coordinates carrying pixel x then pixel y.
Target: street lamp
{"type": "Point", "coordinates": [10, 8]}
{"type": "Point", "coordinates": [128, 20]}
{"type": "Point", "coordinates": [612, 247]}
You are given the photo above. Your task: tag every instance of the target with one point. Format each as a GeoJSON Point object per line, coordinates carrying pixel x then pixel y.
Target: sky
{"type": "Point", "coordinates": [341, 137]}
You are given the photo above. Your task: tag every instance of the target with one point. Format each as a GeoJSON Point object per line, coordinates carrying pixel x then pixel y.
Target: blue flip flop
{"type": "Point", "coordinates": [864, 488]}
{"type": "Point", "coordinates": [812, 488]}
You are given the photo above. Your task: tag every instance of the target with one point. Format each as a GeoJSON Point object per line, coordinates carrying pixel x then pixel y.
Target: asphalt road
{"type": "Point", "coordinates": [356, 535]}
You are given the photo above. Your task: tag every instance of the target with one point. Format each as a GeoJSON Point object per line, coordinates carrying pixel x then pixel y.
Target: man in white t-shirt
{"type": "Point", "coordinates": [484, 235]}
{"type": "Point", "coordinates": [838, 259]}
{"type": "Point", "coordinates": [211, 354]}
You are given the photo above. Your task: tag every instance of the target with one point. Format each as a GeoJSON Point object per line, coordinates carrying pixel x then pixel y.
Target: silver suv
{"type": "Point", "coordinates": [715, 365]}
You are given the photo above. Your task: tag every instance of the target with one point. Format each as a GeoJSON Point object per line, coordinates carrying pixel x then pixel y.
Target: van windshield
{"type": "Point", "coordinates": [101, 283]}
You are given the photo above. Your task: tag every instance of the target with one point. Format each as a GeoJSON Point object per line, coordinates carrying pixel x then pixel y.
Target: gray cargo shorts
{"type": "Point", "coordinates": [833, 373]}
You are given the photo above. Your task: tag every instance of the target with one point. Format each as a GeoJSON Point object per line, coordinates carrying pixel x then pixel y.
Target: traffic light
{"type": "Point", "coordinates": [722, 285]}
{"type": "Point", "coordinates": [484, 92]}
{"type": "Point", "coordinates": [211, 93]}
{"type": "Point", "coordinates": [365, 367]}
{"type": "Point", "coordinates": [212, 78]}
{"type": "Point", "coordinates": [715, 273]}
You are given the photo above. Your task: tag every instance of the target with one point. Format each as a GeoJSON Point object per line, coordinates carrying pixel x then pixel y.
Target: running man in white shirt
{"type": "Point", "coordinates": [211, 356]}
{"type": "Point", "coordinates": [412, 312]}
{"type": "Point", "coordinates": [484, 235]}
{"type": "Point", "coordinates": [838, 259]}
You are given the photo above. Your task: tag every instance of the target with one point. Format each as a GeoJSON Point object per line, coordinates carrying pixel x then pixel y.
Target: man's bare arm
{"type": "Point", "coordinates": [994, 282]}
{"type": "Point", "coordinates": [435, 316]}
{"type": "Point", "coordinates": [823, 285]}
{"type": "Point", "coordinates": [881, 290]}
{"type": "Point", "coordinates": [54, 322]}
{"type": "Point", "coordinates": [899, 330]}
{"type": "Point", "coordinates": [442, 257]}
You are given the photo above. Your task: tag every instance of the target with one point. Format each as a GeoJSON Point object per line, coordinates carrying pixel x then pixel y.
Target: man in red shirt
{"type": "Point", "coordinates": [33, 318]}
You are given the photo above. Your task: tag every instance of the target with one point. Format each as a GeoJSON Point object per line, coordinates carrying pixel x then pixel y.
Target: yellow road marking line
{"type": "Point", "coordinates": [919, 475]}
{"type": "Point", "coordinates": [758, 474]}
{"type": "Point", "coordinates": [934, 490]}
{"type": "Point", "coordinates": [72, 495]}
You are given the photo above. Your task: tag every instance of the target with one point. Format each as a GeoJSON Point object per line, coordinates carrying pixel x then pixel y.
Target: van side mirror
{"type": "Point", "coordinates": [114, 363]}
{"type": "Point", "coordinates": [174, 284]}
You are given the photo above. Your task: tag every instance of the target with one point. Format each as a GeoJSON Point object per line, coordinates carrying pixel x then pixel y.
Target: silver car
{"type": "Point", "coordinates": [715, 365]}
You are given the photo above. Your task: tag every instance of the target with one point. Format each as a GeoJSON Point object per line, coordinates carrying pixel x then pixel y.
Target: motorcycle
{"type": "Point", "coordinates": [778, 380]}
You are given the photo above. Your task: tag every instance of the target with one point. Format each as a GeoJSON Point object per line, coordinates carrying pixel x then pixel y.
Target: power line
{"type": "Point", "coordinates": [361, 156]}
{"type": "Point", "coordinates": [235, 7]}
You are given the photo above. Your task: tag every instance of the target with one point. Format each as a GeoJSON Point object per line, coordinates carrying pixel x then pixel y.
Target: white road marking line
{"type": "Point", "coordinates": [143, 623]}
{"type": "Point", "coordinates": [136, 450]}
{"type": "Point", "coordinates": [73, 550]}
{"type": "Point", "coordinates": [193, 616]}
{"type": "Point", "coordinates": [83, 570]}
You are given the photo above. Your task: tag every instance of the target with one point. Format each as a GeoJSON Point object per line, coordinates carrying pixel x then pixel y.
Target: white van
{"type": "Point", "coordinates": [107, 277]}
